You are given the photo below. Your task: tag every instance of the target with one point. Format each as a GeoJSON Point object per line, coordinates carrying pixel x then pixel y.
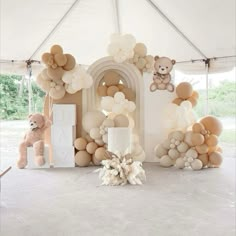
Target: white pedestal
{"type": "Point", "coordinates": [63, 135]}
{"type": "Point", "coordinates": [119, 139]}
{"type": "Point", "coordinates": [63, 156]}
{"type": "Point", "coordinates": [154, 105]}
{"type": "Point", "coordinates": [64, 114]}
{"type": "Point", "coordinates": [31, 160]}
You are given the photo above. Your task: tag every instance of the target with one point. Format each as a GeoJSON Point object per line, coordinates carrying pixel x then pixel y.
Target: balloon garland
{"type": "Point", "coordinates": [62, 74]}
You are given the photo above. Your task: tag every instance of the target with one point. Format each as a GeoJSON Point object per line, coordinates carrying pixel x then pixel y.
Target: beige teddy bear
{"type": "Point", "coordinates": [34, 137]}
{"type": "Point", "coordinates": [162, 77]}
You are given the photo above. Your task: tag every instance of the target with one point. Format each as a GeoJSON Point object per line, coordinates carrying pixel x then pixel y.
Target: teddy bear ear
{"type": "Point", "coordinates": [173, 62]}
{"type": "Point", "coordinates": [29, 115]}
{"type": "Point", "coordinates": [156, 58]}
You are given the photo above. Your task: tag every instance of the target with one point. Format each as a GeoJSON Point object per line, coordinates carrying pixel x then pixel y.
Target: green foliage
{"type": "Point", "coordinates": [222, 100]}
{"type": "Point", "coordinates": [13, 104]}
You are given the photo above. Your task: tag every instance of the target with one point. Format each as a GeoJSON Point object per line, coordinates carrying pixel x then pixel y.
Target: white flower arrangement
{"type": "Point", "coordinates": [120, 170]}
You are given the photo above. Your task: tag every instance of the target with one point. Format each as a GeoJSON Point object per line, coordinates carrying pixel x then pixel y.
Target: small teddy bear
{"type": "Point", "coordinates": [34, 137]}
{"type": "Point", "coordinates": [162, 77]}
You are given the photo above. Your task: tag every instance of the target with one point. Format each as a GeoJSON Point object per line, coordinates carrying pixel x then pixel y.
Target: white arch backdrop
{"type": "Point", "coordinates": [130, 74]}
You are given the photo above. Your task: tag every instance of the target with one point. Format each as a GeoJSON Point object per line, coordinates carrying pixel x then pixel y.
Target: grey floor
{"type": "Point", "coordinates": [72, 202]}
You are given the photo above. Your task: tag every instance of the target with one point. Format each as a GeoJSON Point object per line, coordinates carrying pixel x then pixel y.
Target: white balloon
{"type": "Point", "coordinates": [186, 104]}
{"type": "Point", "coordinates": [166, 161]}
{"type": "Point", "coordinates": [140, 157]}
{"type": "Point", "coordinates": [67, 77]}
{"type": "Point", "coordinates": [105, 138]}
{"type": "Point", "coordinates": [180, 163]}
{"type": "Point", "coordinates": [95, 133]}
{"type": "Point", "coordinates": [119, 97]}
{"type": "Point", "coordinates": [135, 138]}
{"type": "Point", "coordinates": [108, 123]}
{"type": "Point", "coordinates": [118, 109]}
{"type": "Point", "coordinates": [92, 119]}
{"type": "Point", "coordinates": [132, 106]}
{"type": "Point", "coordinates": [131, 122]}
{"type": "Point", "coordinates": [107, 103]}
{"type": "Point", "coordinates": [196, 164]}
{"type": "Point", "coordinates": [136, 149]}
{"type": "Point", "coordinates": [69, 89]}
{"type": "Point", "coordinates": [99, 142]}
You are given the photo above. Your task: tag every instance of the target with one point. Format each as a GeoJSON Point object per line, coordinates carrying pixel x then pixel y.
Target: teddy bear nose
{"type": "Point", "coordinates": [162, 68]}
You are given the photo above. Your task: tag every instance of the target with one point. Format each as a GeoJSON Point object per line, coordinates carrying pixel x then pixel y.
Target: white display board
{"type": "Point", "coordinates": [154, 105]}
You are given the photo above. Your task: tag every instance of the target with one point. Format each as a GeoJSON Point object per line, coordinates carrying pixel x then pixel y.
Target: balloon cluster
{"type": "Point", "coordinates": [196, 148]}
{"type": "Point", "coordinates": [124, 48]}
{"type": "Point", "coordinates": [141, 60]}
{"type": "Point", "coordinates": [111, 83]}
{"type": "Point", "coordinates": [121, 47]}
{"type": "Point", "coordinates": [62, 74]}
{"type": "Point", "coordinates": [117, 104]}
{"type": "Point", "coordinates": [185, 92]}
{"type": "Point", "coordinates": [92, 147]}
{"type": "Point", "coordinates": [178, 117]}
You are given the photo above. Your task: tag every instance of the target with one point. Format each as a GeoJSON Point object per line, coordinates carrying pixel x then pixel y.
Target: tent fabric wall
{"type": "Point", "coordinates": [83, 28]}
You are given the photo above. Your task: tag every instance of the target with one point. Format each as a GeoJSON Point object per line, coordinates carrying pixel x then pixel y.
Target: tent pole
{"type": "Point", "coordinates": [117, 16]}
{"type": "Point", "coordinates": [29, 70]}
{"type": "Point", "coordinates": [207, 63]}
{"type": "Point", "coordinates": [176, 28]}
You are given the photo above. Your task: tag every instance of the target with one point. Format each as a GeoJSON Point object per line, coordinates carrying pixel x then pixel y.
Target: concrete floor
{"type": "Point", "coordinates": [71, 202]}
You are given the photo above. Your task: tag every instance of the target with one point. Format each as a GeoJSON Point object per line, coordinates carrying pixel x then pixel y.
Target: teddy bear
{"type": "Point", "coordinates": [34, 137]}
{"type": "Point", "coordinates": [162, 77]}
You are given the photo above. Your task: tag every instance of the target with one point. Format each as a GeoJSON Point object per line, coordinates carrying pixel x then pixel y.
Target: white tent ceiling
{"type": "Point", "coordinates": [205, 28]}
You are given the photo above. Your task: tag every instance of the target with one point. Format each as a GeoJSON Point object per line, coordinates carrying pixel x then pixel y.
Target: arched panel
{"type": "Point", "coordinates": [133, 79]}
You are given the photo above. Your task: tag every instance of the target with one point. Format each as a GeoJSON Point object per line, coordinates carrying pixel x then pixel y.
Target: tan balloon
{"type": "Point", "coordinates": [55, 74]}
{"type": "Point", "coordinates": [204, 158]}
{"type": "Point", "coordinates": [129, 94]}
{"type": "Point", "coordinates": [195, 95]}
{"type": "Point", "coordinates": [111, 78]}
{"type": "Point", "coordinates": [120, 86]}
{"type": "Point", "coordinates": [184, 90]}
{"type": "Point", "coordinates": [70, 63]}
{"type": "Point", "coordinates": [80, 144]}
{"type": "Point", "coordinates": [197, 139]}
{"type": "Point", "coordinates": [177, 101]}
{"type": "Point", "coordinates": [212, 124]}
{"type": "Point", "coordinates": [212, 140]}
{"type": "Point", "coordinates": [216, 158]}
{"type": "Point", "coordinates": [95, 161]}
{"type": "Point", "coordinates": [100, 154]}
{"type": "Point", "coordinates": [56, 49]}
{"type": "Point", "coordinates": [112, 90]}
{"type": "Point", "coordinates": [102, 90]}
{"type": "Point", "coordinates": [121, 121]}
{"type": "Point", "coordinates": [60, 59]}
{"type": "Point", "coordinates": [197, 127]}
{"type": "Point", "coordinates": [202, 149]}
{"type": "Point", "coordinates": [91, 147]}
{"type": "Point", "coordinates": [193, 101]}
{"type": "Point", "coordinates": [83, 158]}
